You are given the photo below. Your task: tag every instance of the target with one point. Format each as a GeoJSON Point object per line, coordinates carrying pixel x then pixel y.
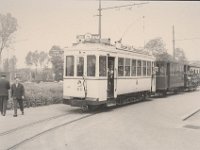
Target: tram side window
{"type": "Point", "coordinates": [133, 68]}
{"type": "Point", "coordinates": [102, 66]}
{"type": "Point", "coordinates": [120, 66]}
{"type": "Point", "coordinates": [181, 70]}
{"type": "Point", "coordinates": [91, 65]}
{"type": "Point", "coordinates": [80, 66]}
{"type": "Point", "coordinates": [148, 68]}
{"type": "Point", "coordinates": [127, 67]}
{"type": "Point", "coordinates": [69, 66]}
{"type": "Point", "coordinates": [144, 68]}
{"type": "Point", "coordinates": [139, 65]}
{"type": "Point", "coordinates": [175, 69]}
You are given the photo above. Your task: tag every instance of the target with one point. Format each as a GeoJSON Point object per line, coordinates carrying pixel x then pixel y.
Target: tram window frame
{"type": "Point", "coordinates": [144, 66]}
{"type": "Point", "coordinates": [133, 67]}
{"type": "Point", "coordinates": [102, 66]}
{"type": "Point", "coordinates": [127, 68]}
{"type": "Point", "coordinates": [120, 67]}
{"type": "Point", "coordinates": [71, 67]}
{"type": "Point", "coordinates": [92, 66]}
{"type": "Point", "coordinates": [79, 66]}
{"type": "Point", "coordinates": [148, 68]}
{"type": "Point", "coordinates": [139, 68]}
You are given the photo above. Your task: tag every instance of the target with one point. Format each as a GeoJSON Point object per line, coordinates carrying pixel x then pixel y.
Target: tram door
{"type": "Point", "coordinates": [111, 64]}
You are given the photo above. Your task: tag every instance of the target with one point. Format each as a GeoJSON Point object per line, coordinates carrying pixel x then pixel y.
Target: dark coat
{"type": "Point", "coordinates": [17, 92]}
{"type": "Point", "coordinates": [4, 87]}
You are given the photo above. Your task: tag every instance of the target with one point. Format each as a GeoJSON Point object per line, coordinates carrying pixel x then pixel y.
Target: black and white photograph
{"type": "Point", "coordinates": [99, 75]}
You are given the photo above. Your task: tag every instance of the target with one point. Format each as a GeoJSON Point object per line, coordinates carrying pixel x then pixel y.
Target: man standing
{"type": "Point", "coordinates": [4, 87]}
{"type": "Point", "coordinates": [17, 93]}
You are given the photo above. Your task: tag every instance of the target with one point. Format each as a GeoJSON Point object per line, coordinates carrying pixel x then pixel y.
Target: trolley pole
{"type": "Point", "coordinates": [173, 41]}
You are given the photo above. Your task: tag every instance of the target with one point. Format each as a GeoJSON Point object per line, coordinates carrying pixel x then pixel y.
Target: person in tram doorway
{"type": "Point", "coordinates": [4, 88]}
{"type": "Point", "coordinates": [17, 93]}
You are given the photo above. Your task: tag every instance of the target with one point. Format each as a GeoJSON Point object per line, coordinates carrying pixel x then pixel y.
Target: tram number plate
{"type": "Point", "coordinates": [79, 86]}
{"type": "Point", "coordinates": [79, 89]}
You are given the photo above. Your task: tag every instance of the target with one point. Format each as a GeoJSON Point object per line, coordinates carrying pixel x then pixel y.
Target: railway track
{"type": "Point", "coordinates": [31, 124]}
{"type": "Point", "coordinates": [190, 114]}
{"type": "Point", "coordinates": [29, 132]}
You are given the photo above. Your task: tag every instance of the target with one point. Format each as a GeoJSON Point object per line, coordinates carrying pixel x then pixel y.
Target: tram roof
{"type": "Point", "coordinates": [107, 47]}
{"type": "Point", "coordinates": [195, 65]}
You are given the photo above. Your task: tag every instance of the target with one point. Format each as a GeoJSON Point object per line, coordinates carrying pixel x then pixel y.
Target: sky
{"type": "Point", "coordinates": [44, 23]}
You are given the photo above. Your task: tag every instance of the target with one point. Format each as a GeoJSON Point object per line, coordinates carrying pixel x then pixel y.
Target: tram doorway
{"type": "Point", "coordinates": [110, 87]}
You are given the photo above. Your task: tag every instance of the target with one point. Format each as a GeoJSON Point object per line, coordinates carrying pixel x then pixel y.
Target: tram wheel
{"type": "Point", "coordinates": [84, 108]}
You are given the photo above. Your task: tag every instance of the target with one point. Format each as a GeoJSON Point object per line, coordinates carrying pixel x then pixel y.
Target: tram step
{"type": "Point", "coordinates": [111, 103]}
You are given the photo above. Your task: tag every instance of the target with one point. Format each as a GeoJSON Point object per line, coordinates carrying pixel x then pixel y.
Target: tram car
{"type": "Point", "coordinates": [99, 73]}
{"type": "Point", "coordinates": [192, 76]}
{"type": "Point", "coordinates": [169, 77]}
{"type": "Point", "coordinates": [174, 76]}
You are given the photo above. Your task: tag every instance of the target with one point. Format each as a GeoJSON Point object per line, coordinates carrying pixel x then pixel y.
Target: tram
{"type": "Point", "coordinates": [169, 77]}
{"type": "Point", "coordinates": [99, 73]}
{"type": "Point", "coordinates": [173, 76]}
{"type": "Point", "coordinates": [192, 76]}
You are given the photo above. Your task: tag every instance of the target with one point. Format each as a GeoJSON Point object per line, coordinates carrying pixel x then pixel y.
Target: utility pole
{"type": "Point", "coordinates": [173, 41]}
{"type": "Point", "coordinates": [114, 7]}
{"type": "Point", "coordinates": [144, 29]}
{"type": "Point", "coordinates": [99, 20]}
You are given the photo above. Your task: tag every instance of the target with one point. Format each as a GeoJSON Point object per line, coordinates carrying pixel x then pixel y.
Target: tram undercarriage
{"type": "Point", "coordinates": [92, 103]}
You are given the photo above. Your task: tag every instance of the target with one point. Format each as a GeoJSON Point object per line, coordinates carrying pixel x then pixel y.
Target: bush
{"type": "Point", "coordinates": [43, 93]}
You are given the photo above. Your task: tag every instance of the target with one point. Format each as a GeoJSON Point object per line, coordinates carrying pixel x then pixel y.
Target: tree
{"type": "Point", "coordinates": [37, 59]}
{"type": "Point", "coordinates": [8, 25]}
{"type": "Point", "coordinates": [164, 57]}
{"type": "Point", "coordinates": [28, 59]}
{"type": "Point", "coordinates": [43, 59]}
{"type": "Point", "coordinates": [180, 55]}
{"type": "Point", "coordinates": [32, 58]}
{"type": "Point", "coordinates": [156, 46]}
{"type": "Point", "coordinates": [57, 61]}
{"type": "Point", "coordinates": [9, 65]}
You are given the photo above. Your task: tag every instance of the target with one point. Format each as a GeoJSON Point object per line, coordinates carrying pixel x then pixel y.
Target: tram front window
{"type": "Point", "coordinates": [69, 66]}
{"type": "Point", "coordinates": [91, 65]}
{"type": "Point", "coordinates": [161, 70]}
{"type": "Point", "coordinates": [80, 66]}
